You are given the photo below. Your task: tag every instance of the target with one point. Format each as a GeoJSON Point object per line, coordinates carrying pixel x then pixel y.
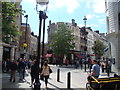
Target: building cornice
{"type": "Point", "coordinates": [112, 35]}
{"type": "Point", "coordinates": [8, 45]}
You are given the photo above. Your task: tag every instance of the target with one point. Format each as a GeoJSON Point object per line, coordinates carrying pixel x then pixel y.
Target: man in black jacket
{"type": "Point", "coordinates": [33, 72]}
{"type": "Point", "coordinates": [21, 68]}
{"type": "Point", "coordinates": [13, 68]}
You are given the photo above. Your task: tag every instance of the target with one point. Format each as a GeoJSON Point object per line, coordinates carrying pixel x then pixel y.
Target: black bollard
{"type": "Point", "coordinates": [58, 75]}
{"type": "Point", "coordinates": [85, 65]}
{"type": "Point", "coordinates": [90, 67]}
{"type": "Point", "coordinates": [37, 86]}
{"type": "Point", "coordinates": [108, 72]}
{"type": "Point", "coordinates": [68, 80]}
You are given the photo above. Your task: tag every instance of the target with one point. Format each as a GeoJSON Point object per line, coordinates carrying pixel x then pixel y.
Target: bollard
{"type": "Point", "coordinates": [90, 67]}
{"type": "Point", "coordinates": [68, 80]}
{"type": "Point", "coordinates": [85, 65]}
{"type": "Point", "coordinates": [108, 72]}
{"type": "Point", "coordinates": [58, 75]}
{"type": "Point", "coordinates": [37, 86]}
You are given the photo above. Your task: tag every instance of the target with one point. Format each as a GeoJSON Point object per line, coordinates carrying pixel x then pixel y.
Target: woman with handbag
{"type": "Point", "coordinates": [46, 72]}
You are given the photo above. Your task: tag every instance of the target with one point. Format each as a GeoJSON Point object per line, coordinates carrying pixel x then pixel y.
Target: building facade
{"type": "Point", "coordinates": [84, 37]}
{"type": "Point", "coordinates": [10, 50]}
{"type": "Point", "coordinates": [72, 26]}
{"type": "Point", "coordinates": [91, 39]}
{"type": "Point", "coordinates": [33, 46]}
{"type": "Point", "coordinates": [113, 31]}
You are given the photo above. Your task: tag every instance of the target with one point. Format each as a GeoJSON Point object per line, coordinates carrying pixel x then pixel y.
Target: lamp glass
{"type": "Point", "coordinates": [42, 2]}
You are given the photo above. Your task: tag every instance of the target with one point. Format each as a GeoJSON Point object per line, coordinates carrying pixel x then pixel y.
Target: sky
{"type": "Point", "coordinates": [65, 11]}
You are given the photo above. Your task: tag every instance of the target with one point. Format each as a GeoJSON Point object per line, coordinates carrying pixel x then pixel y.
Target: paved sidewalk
{"type": "Point", "coordinates": [78, 79]}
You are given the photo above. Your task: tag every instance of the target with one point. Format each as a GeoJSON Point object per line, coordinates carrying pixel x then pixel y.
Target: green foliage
{"type": "Point", "coordinates": [98, 49]}
{"type": "Point", "coordinates": [61, 40]}
{"type": "Point", "coordinates": [9, 13]}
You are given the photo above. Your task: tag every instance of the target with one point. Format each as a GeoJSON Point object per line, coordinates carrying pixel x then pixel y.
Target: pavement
{"type": "Point", "coordinates": [78, 79]}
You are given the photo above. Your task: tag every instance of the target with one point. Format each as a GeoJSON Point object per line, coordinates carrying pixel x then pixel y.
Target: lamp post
{"type": "Point", "coordinates": [25, 44]}
{"type": "Point", "coordinates": [42, 15]}
{"type": "Point", "coordinates": [44, 18]}
{"type": "Point", "coordinates": [85, 20]}
{"type": "Point", "coordinates": [85, 48]}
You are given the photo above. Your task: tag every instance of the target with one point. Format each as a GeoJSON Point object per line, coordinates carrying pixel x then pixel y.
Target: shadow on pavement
{"type": "Point", "coordinates": [7, 85]}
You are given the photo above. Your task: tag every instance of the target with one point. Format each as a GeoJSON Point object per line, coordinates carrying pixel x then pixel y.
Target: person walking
{"type": "Point", "coordinates": [33, 72]}
{"type": "Point", "coordinates": [95, 69]}
{"type": "Point", "coordinates": [8, 63]}
{"type": "Point", "coordinates": [103, 66]}
{"type": "Point", "coordinates": [24, 68]}
{"type": "Point", "coordinates": [21, 67]}
{"type": "Point", "coordinates": [13, 68]}
{"type": "Point", "coordinates": [46, 72]}
{"type": "Point", "coordinates": [66, 62]}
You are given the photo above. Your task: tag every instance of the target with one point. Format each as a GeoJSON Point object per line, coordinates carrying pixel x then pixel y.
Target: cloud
{"type": "Point", "coordinates": [88, 5]}
{"type": "Point", "coordinates": [90, 16]}
{"type": "Point", "coordinates": [94, 25]}
{"type": "Point", "coordinates": [71, 5]}
{"type": "Point", "coordinates": [81, 25]}
{"type": "Point", "coordinates": [34, 1]}
{"type": "Point", "coordinates": [89, 25]}
{"type": "Point", "coordinates": [98, 6]}
{"type": "Point", "coordinates": [101, 21]}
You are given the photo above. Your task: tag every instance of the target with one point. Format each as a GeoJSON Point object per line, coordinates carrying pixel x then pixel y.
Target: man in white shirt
{"type": "Point", "coordinates": [95, 69]}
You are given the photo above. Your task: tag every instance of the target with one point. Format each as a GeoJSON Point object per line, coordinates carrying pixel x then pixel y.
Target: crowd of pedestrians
{"type": "Point", "coordinates": [21, 65]}
{"type": "Point", "coordinates": [13, 66]}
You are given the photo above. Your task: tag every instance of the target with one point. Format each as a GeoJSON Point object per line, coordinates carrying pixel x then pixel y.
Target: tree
{"type": "Point", "coordinates": [9, 28]}
{"type": "Point", "coordinates": [61, 42]}
{"type": "Point", "coordinates": [98, 49]}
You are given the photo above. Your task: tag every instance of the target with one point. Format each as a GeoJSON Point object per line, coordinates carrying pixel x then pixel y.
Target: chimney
{"type": "Point", "coordinates": [49, 22]}
{"type": "Point", "coordinates": [73, 22]}
{"type": "Point", "coordinates": [97, 31]}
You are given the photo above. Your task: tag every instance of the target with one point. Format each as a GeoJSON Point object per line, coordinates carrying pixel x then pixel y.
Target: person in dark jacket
{"type": "Point", "coordinates": [8, 63]}
{"type": "Point", "coordinates": [21, 68]}
{"type": "Point", "coordinates": [13, 68]}
{"type": "Point", "coordinates": [34, 72]}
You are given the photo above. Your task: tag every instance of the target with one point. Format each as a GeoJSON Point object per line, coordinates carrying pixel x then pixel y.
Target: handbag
{"type": "Point", "coordinates": [50, 70]}
{"type": "Point", "coordinates": [42, 77]}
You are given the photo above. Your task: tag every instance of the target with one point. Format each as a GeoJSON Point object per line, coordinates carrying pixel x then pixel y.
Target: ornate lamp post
{"type": "Point", "coordinates": [85, 33]}
{"type": "Point", "coordinates": [42, 16]}
{"type": "Point", "coordinates": [85, 20]}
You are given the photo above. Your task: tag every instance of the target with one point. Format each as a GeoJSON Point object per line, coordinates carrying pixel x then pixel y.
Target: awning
{"type": "Point", "coordinates": [92, 55]}
{"type": "Point", "coordinates": [48, 55]}
{"type": "Point", "coordinates": [79, 55]}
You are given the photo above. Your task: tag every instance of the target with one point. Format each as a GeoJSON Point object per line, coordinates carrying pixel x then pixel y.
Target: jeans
{"type": "Point", "coordinates": [13, 74]}
{"type": "Point", "coordinates": [21, 73]}
{"type": "Point", "coordinates": [46, 79]}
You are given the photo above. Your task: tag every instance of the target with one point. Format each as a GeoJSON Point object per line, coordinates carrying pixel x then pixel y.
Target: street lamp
{"type": "Point", "coordinates": [85, 33]}
{"type": "Point", "coordinates": [44, 18]}
{"type": "Point", "coordinates": [42, 15]}
{"type": "Point", "coordinates": [25, 44]}
{"type": "Point", "coordinates": [85, 20]}
{"type": "Point", "coordinates": [26, 16]}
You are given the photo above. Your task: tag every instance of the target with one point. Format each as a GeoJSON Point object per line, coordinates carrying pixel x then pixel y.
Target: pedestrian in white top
{"type": "Point", "coordinates": [95, 69]}
{"type": "Point", "coordinates": [46, 72]}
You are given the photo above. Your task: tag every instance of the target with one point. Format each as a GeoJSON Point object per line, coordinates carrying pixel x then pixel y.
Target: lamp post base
{"type": "Point", "coordinates": [37, 86]}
